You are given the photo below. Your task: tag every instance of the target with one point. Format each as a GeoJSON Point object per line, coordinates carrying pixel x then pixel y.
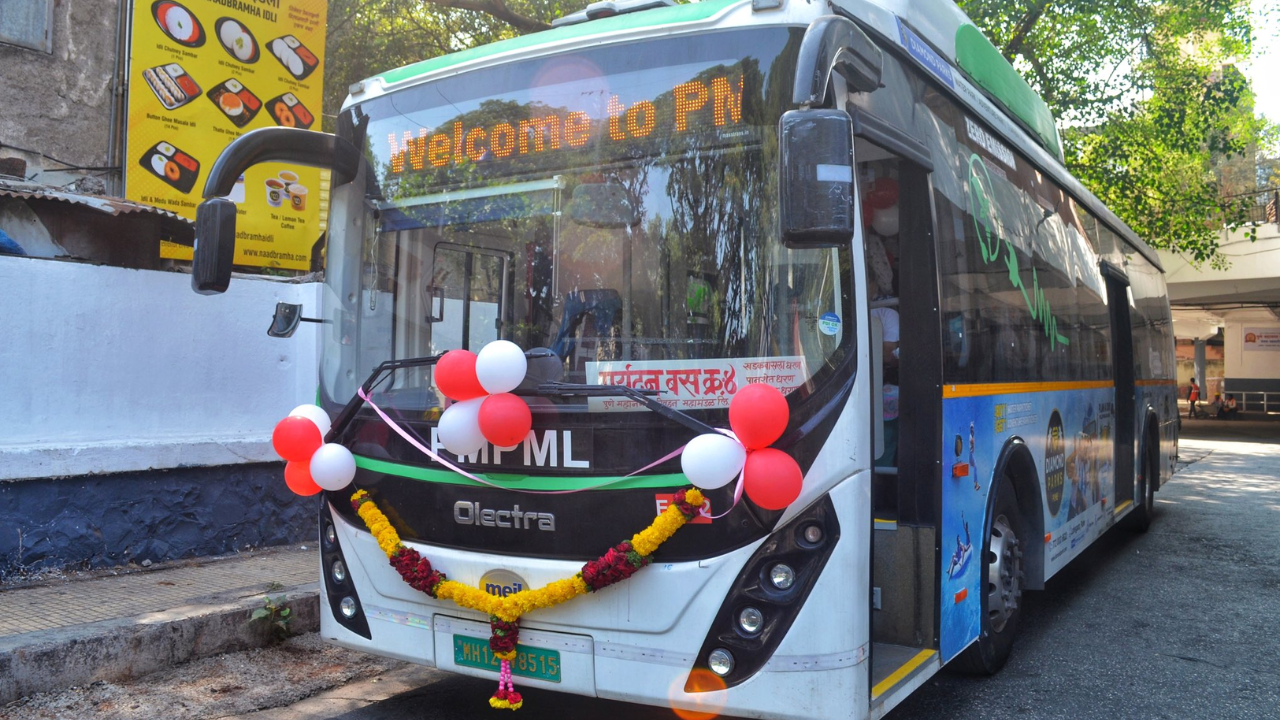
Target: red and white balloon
{"type": "Point", "coordinates": [483, 408]}
{"type": "Point", "coordinates": [758, 415]}
{"type": "Point", "coordinates": [313, 464]}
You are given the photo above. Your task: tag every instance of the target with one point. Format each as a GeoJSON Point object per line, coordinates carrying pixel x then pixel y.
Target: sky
{"type": "Point", "coordinates": [1261, 69]}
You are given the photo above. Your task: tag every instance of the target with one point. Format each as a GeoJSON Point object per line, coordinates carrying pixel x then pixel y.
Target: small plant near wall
{"type": "Point", "coordinates": [276, 615]}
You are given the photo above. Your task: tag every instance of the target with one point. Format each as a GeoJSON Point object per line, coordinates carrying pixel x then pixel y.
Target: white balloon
{"type": "Point", "coordinates": [500, 366]}
{"type": "Point", "coordinates": [315, 414]}
{"type": "Point", "coordinates": [712, 460]}
{"type": "Point", "coordinates": [885, 220]}
{"type": "Point", "coordinates": [459, 427]}
{"type": "Point", "coordinates": [333, 466]}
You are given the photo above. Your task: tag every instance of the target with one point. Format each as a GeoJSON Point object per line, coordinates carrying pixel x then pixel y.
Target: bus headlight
{"type": "Point", "coordinates": [348, 607]}
{"type": "Point", "coordinates": [750, 620]}
{"type": "Point", "coordinates": [765, 598]}
{"type": "Point", "coordinates": [720, 661]}
{"type": "Point", "coordinates": [339, 588]}
{"type": "Point", "coordinates": [782, 576]}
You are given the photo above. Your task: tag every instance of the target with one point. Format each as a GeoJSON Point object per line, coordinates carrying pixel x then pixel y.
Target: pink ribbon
{"type": "Point", "coordinates": [427, 451]}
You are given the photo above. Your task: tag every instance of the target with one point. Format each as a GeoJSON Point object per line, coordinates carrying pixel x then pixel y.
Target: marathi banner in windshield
{"type": "Point", "coordinates": [693, 384]}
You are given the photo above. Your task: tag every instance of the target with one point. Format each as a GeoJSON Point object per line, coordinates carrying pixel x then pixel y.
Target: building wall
{"type": "Point", "coordinates": [1252, 364]}
{"type": "Point", "coordinates": [60, 104]}
{"type": "Point", "coordinates": [124, 386]}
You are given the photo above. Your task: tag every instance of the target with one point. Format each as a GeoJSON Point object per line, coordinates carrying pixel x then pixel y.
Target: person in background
{"type": "Point", "coordinates": [1215, 407]}
{"type": "Point", "coordinates": [1193, 399]}
{"type": "Point", "coordinates": [1229, 408]}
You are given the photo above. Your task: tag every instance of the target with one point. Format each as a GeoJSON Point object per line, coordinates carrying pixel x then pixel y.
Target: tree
{"type": "Point", "coordinates": [1151, 103]}
{"type": "Point", "coordinates": [367, 37]}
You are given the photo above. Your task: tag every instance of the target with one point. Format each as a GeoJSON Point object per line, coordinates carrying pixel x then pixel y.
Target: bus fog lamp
{"type": "Point", "coordinates": [782, 576]}
{"type": "Point", "coordinates": [339, 571]}
{"type": "Point", "coordinates": [813, 534]}
{"type": "Point", "coordinates": [720, 661]}
{"type": "Point", "coordinates": [330, 534]}
{"type": "Point", "coordinates": [750, 620]}
{"type": "Point", "coordinates": [348, 607]}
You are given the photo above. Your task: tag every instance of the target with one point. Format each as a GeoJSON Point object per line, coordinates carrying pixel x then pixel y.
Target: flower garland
{"type": "Point", "coordinates": [619, 563]}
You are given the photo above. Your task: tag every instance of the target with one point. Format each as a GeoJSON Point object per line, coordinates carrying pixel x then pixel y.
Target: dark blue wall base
{"type": "Point", "coordinates": [104, 520]}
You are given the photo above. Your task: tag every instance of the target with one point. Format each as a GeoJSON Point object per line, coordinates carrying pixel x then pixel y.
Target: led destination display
{"type": "Point", "coordinates": [692, 106]}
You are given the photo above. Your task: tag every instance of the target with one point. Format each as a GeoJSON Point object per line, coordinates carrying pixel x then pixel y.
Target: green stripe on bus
{"type": "Point", "coordinates": [983, 62]}
{"type": "Point", "coordinates": [517, 481]}
{"type": "Point", "coordinates": [692, 12]}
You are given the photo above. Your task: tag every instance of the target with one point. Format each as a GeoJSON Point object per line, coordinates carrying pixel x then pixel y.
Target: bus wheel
{"type": "Point", "coordinates": [1140, 519]}
{"type": "Point", "coordinates": [1002, 602]}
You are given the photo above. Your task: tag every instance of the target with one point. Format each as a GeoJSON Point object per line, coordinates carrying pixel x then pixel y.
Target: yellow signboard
{"type": "Point", "coordinates": [204, 72]}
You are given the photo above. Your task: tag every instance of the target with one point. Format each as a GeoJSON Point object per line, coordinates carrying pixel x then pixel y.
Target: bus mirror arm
{"type": "Point", "coordinates": [215, 242]}
{"type": "Point", "coordinates": [834, 44]}
{"type": "Point", "coordinates": [279, 144]}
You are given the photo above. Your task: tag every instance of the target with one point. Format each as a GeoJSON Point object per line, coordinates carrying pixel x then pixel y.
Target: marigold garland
{"type": "Point", "coordinates": [619, 563]}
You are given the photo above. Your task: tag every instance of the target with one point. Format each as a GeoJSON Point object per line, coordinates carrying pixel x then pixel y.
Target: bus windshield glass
{"type": "Point", "coordinates": [615, 205]}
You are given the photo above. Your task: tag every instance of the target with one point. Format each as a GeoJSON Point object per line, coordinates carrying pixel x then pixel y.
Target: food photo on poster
{"type": "Point", "coordinates": [180, 50]}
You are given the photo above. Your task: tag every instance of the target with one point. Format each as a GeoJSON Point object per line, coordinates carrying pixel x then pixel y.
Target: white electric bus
{"type": "Point", "coordinates": [858, 202]}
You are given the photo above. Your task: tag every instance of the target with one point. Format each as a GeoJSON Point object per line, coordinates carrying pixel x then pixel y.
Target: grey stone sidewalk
{"type": "Point", "coordinates": [62, 633]}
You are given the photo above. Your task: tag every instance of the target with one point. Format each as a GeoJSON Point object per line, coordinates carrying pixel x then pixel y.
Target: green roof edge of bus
{"type": "Point", "coordinates": [988, 68]}
{"type": "Point", "coordinates": [530, 482]}
{"type": "Point", "coordinates": [691, 12]}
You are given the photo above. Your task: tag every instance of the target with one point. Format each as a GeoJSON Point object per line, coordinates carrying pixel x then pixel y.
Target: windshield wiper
{"type": "Point", "coordinates": [353, 405]}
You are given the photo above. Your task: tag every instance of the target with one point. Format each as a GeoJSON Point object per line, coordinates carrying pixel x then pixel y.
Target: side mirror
{"type": "Point", "coordinates": [816, 158]}
{"type": "Point", "coordinates": [215, 246]}
{"type": "Point", "coordinates": [286, 320]}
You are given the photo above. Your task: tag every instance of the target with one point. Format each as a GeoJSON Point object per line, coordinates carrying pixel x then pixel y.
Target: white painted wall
{"type": "Point", "coordinates": [111, 370]}
{"type": "Point", "coordinates": [1254, 364]}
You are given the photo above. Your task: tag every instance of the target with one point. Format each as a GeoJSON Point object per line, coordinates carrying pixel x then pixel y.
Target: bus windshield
{"type": "Point", "coordinates": [617, 206]}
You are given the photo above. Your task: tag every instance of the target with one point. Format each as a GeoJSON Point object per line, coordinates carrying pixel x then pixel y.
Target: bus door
{"type": "Point", "coordinates": [464, 298]}
{"type": "Point", "coordinates": [898, 246]}
{"type": "Point", "coordinates": [1122, 364]}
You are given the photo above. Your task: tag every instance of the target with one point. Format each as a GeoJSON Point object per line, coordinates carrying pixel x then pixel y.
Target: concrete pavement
{"type": "Point", "coordinates": [60, 634]}
{"type": "Point", "coordinates": [116, 627]}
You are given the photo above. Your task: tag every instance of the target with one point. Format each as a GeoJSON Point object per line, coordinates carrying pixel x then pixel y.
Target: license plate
{"type": "Point", "coordinates": [530, 662]}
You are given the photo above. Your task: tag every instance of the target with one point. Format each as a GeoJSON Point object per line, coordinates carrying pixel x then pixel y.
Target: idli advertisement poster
{"type": "Point", "coordinates": [201, 74]}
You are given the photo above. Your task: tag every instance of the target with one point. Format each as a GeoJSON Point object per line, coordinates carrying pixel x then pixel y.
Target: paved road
{"type": "Point", "coordinates": [1182, 622]}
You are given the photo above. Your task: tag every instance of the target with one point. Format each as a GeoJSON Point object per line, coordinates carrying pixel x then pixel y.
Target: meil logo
{"type": "Point", "coordinates": [502, 583]}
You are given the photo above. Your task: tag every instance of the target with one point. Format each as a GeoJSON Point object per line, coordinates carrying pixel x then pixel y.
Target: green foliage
{"type": "Point", "coordinates": [1152, 106]}
{"type": "Point", "coordinates": [368, 37]}
{"type": "Point", "coordinates": [276, 615]}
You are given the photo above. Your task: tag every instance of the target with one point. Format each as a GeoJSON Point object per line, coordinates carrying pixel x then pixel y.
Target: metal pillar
{"type": "Point", "coordinates": [1199, 371]}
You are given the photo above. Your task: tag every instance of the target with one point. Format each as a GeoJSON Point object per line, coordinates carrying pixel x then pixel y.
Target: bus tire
{"type": "Point", "coordinates": [1140, 519]}
{"type": "Point", "coordinates": [1003, 540]}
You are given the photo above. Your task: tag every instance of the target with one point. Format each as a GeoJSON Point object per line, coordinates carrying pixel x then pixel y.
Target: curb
{"type": "Point", "coordinates": [129, 648]}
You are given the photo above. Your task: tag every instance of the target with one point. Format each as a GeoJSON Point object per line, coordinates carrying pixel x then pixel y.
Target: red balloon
{"type": "Point", "coordinates": [296, 438]}
{"type": "Point", "coordinates": [758, 415]}
{"type": "Point", "coordinates": [456, 375]}
{"type": "Point", "coordinates": [297, 475]}
{"type": "Point", "coordinates": [772, 479]}
{"type": "Point", "coordinates": [882, 194]}
{"type": "Point", "coordinates": [505, 419]}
